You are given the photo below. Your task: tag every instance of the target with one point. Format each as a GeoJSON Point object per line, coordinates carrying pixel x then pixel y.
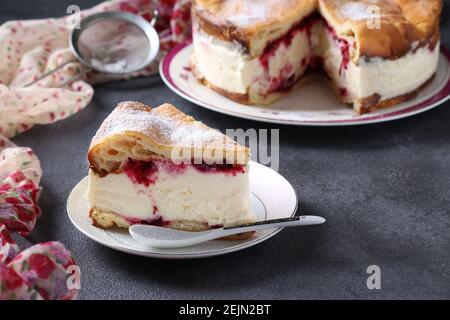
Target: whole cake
{"type": "Point", "coordinates": [159, 166]}
{"type": "Point", "coordinates": [375, 53]}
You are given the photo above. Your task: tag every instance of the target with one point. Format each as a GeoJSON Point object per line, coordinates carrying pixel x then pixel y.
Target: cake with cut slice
{"type": "Point", "coordinates": [376, 53]}
{"type": "Point", "coordinates": [162, 167]}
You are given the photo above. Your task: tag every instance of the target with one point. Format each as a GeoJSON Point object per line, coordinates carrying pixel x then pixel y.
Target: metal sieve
{"type": "Point", "coordinates": [112, 43]}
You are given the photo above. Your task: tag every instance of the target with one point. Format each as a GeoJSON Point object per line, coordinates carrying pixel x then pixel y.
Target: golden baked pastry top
{"type": "Point", "coordinates": [256, 23]}
{"type": "Point", "coordinates": [134, 130]}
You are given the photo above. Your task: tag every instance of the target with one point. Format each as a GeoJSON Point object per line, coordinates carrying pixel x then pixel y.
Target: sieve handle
{"type": "Point", "coordinates": [50, 72]}
{"type": "Point", "coordinates": [155, 17]}
{"type": "Point", "coordinates": [75, 78]}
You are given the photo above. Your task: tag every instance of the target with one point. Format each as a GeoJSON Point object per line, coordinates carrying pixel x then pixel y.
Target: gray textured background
{"type": "Point", "coordinates": [384, 189]}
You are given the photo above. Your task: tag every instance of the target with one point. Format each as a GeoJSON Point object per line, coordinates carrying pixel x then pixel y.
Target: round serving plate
{"type": "Point", "coordinates": [312, 105]}
{"type": "Point", "coordinates": [272, 197]}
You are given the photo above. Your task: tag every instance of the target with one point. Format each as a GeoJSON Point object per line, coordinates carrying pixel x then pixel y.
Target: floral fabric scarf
{"type": "Point", "coordinates": [27, 50]}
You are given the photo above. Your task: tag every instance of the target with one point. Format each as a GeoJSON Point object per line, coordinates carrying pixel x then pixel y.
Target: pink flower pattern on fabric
{"type": "Point", "coordinates": [39, 272]}
{"type": "Point", "coordinates": [27, 50]}
{"type": "Point", "coordinates": [30, 48]}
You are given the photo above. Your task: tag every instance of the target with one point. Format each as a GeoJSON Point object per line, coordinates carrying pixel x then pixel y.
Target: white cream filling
{"type": "Point", "coordinates": [392, 78]}
{"type": "Point", "coordinates": [388, 78]}
{"type": "Point", "coordinates": [225, 65]}
{"type": "Point", "coordinates": [213, 198]}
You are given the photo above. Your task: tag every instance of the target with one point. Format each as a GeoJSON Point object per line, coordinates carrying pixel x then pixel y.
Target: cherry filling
{"type": "Point", "coordinates": [286, 77]}
{"type": "Point", "coordinates": [343, 92]}
{"type": "Point", "coordinates": [304, 26]}
{"type": "Point", "coordinates": [220, 168]}
{"type": "Point", "coordinates": [146, 172]}
{"type": "Point", "coordinates": [343, 45]}
{"type": "Point", "coordinates": [284, 82]}
{"type": "Point", "coordinates": [158, 222]}
{"type": "Point", "coordinates": [141, 172]}
{"type": "Point", "coordinates": [432, 46]}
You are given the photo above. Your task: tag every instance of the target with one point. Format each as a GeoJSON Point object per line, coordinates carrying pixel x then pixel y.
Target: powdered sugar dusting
{"type": "Point", "coordinates": [196, 135]}
{"type": "Point", "coordinates": [357, 11]}
{"type": "Point", "coordinates": [163, 129]}
{"type": "Point", "coordinates": [122, 120]}
{"type": "Point", "coordinates": [247, 12]}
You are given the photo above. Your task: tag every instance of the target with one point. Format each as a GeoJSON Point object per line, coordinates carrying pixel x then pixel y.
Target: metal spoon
{"type": "Point", "coordinates": [160, 237]}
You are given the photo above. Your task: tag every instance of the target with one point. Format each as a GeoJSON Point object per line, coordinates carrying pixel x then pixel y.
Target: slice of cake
{"type": "Point", "coordinates": [376, 53]}
{"type": "Point", "coordinates": [161, 167]}
{"type": "Point", "coordinates": [379, 63]}
{"type": "Point", "coordinates": [253, 51]}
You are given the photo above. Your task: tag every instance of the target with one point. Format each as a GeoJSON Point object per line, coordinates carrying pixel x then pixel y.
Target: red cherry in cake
{"type": "Point", "coordinates": [343, 92]}
{"type": "Point", "coordinates": [220, 168]}
{"type": "Point", "coordinates": [157, 221]}
{"type": "Point", "coordinates": [141, 172]}
{"type": "Point", "coordinates": [344, 46]}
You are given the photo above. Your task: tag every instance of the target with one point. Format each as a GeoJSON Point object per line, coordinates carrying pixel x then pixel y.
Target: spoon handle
{"type": "Point", "coordinates": [275, 223]}
{"type": "Point", "coordinates": [257, 223]}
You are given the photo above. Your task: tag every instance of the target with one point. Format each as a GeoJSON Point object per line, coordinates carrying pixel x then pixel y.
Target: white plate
{"type": "Point", "coordinates": [273, 197]}
{"type": "Point", "coordinates": [313, 105]}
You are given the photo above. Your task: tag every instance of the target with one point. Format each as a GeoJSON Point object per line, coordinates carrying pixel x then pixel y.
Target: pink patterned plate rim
{"type": "Point", "coordinates": [312, 105]}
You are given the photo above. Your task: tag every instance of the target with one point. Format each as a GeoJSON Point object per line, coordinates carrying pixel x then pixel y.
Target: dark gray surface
{"type": "Point", "coordinates": [384, 189]}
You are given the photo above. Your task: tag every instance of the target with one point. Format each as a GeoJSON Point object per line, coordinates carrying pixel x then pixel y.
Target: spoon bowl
{"type": "Point", "coordinates": [161, 237]}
